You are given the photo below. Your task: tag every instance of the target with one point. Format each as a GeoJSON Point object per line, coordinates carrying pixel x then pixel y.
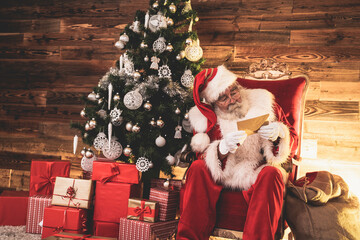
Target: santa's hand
{"type": "Point", "coordinates": [272, 131]}
{"type": "Point", "coordinates": [231, 142]}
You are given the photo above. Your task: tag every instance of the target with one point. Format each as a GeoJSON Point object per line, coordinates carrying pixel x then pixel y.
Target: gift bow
{"type": "Point", "coordinates": [70, 194]}
{"type": "Point", "coordinates": [140, 211]}
{"type": "Point", "coordinates": [45, 181]}
{"type": "Point", "coordinates": [115, 170]}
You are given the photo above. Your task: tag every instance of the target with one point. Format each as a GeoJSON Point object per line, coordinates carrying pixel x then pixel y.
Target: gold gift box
{"type": "Point", "coordinates": [70, 192]}
{"type": "Point", "coordinates": [143, 210]}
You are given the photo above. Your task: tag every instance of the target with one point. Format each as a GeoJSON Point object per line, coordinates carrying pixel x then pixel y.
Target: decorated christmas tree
{"type": "Point", "coordinates": [138, 111]}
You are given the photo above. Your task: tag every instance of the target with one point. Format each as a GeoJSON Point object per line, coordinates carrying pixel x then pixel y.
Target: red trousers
{"type": "Point", "coordinates": [264, 202]}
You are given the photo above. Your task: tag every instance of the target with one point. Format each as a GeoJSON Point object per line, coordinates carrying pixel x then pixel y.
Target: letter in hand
{"type": "Point", "coordinates": [272, 131]}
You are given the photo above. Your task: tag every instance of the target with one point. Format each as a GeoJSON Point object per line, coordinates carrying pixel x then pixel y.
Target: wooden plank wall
{"type": "Point", "coordinates": [53, 52]}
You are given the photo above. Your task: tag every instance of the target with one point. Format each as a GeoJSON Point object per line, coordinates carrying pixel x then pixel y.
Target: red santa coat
{"type": "Point", "coordinates": [240, 169]}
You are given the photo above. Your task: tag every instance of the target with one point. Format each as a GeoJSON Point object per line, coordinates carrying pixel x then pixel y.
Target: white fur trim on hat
{"type": "Point", "coordinates": [199, 142]}
{"type": "Point", "coordinates": [197, 120]}
{"type": "Point", "coordinates": [222, 80]}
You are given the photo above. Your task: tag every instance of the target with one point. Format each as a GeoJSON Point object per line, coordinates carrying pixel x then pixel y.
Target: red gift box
{"type": "Point", "coordinates": [35, 213]}
{"type": "Point", "coordinates": [106, 229]}
{"type": "Point", "coordinates": [43, 174]}
{"type": "Point", "coordinates": [57, 219]}
{"type": "Point", "coordinates": [173, 184]}
{"type": "Point", "coordinates": [13, 207]}
{"type": "Point", "coordinates": [168, 202]}
{"type": "Point", "coordinates": [111, 200]}
{"type": "Point", "coordinates": [139, 230]}
{"type": "Point", "coordinates": [105, 171]}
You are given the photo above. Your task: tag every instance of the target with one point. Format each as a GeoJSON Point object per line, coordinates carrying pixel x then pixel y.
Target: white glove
{"type": "Point", "coordinates": [272, 131]}
{"type": "Point", "coordinates": [230, 142]}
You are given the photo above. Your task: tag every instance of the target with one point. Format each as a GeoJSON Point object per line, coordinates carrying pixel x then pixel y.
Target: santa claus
{"type": "Point", "coordinates": [230, 158]}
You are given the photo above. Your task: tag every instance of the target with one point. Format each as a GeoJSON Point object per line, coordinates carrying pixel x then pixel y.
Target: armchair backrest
{"type": "Point", "coordinates": [289, 92]}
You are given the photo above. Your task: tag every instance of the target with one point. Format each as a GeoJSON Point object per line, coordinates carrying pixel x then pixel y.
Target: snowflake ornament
{"type": "Point", "coordinates": [100, 141]}
{"type": "Point", "coordinates": [164, 71]}
{"type": "Point", "coordinates": [133, 100]}
{"type": "Point", "coordinates": [113, 150]}
{"type": "Point", "coordinates": [187, 79]}
{"type": "Point", "coordinates": [129, 67]}
{"type": "Point", "coordinates": [116, 118]}
{"type": "Point", "coordinates": [142, 164]}
{"type": "Point", "coordinates": [159, 45]}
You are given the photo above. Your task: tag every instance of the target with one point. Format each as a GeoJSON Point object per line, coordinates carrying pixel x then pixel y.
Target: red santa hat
{"type": "Point", "coordinates": [209, 84]}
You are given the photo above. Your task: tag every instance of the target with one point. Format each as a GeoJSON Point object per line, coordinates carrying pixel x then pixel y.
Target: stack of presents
{"type": "Point", "coordinates": [107, 206]}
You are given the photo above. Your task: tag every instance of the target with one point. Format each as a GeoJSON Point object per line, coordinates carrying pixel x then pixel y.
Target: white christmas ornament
{"type": "Point", "coordinates": [155, 63]}
{"type": "Point", "coordinates": [157, 22]}
{"type": "Point", "coordinates": [129, 67]}
{"type": "Point", "coordinates": [187, 79]}
{"type": "Point", "coordinates": [120, 45]}
{"type": "Point", "coordinates": [171, 159]}
{"type": "Point", "coordinates": [142, 164]}
{"type": "Point", "coordinates": [193, 52]}
{"type": "Point", "coordinates": [102, 113]}
{"type": "Point", "coordinates": [135, 26]}
{"type": "Point", "coordinates": [87, 163]}
{"type": "Point", "coordinates": [75, 143]}
{"type": "Point", "coordinates": [164, 71]}
{"type": "Point", "coordinates": [100, 141]}
{"type": "Point", "coordinates": [109, 133]}
{"type": "Point", "coordinates": [113, 150]}
{"type": "Point", "coordinates": [133, 100]}
{"type": "Point", "coordinates": [124, 38]}
{"type": "Point", "coordinates": [116, 117]}
{"type": "Point", "coordinates": [160, 141]}
{"type": "Point", "coordinates": [159, 45]}
{"type": "Point", "coordinates": [166, 184]}
{"type": "Point", "coordinates": [110, 90]}
{"type": "Point", "coordinates": [178, 132]}
{"type": "Point", "coordinates": [146, 23]}
{"type": "Point", "coordinates": [92, 96]}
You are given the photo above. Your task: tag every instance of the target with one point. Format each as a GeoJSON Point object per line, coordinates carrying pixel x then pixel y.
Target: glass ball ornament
{"type": "Point", "coordinates": [92, 123]}
{"type": "Point", "coordinates": [143, 45]}
{"type": "Point", "coordinates": [136, 75]}
{"type": "Point", "coordinates": [83, 113]}
{"type": "Point", "coordinates": [129, 126]}
{"type": "Point", "coordinates": [166, 184]}
{"type": "Point", "coordinates": [133, 100]}
{"type": "Point", "coordinates": [160, 123]}
{"type": "Point", "coordinates": [155, 4]}
{"type": "Point", "coordinates": [169, 22]}
{"type": "Point", "coordinates": [102, 113]}
{"type": "Point", "coordinates": [170, 159]}
{"type": "Point", "coordinates": [97, 96]}
{"type": "Point", "coordinates": [100, 100]}
{"type": "Point", "coordinates": [92, 96]}
{"type": "Point", "coordinates": [87, 127]}
{"type": "Point", "coordinates": [152, 122]}
{"type": "Point", "coordinates": [177, 111]}
{"type": "Point", "coordinates": [172, 8]}
{"type": "Point", "coordinates": [186, 116]}
{"type": "Point", "coordinates": [196, 19]}
{"type": "Point", "coordinates": [160, 141]}
{"type": "Point", "coordinates": [124, 38]}
{"type": "Point", "coordinates": [147, 106]}
{"type": "Point", "coordinates": [120, 45]}
{"type": "Point", "coordinates": [178, 57]}
{"type": "Point", "coordinates": [135, 128]}
{"type": "Point", "coordinates": [151, 165]}
{"type": "Point", "coordinates": [169, 47]}
{"type": "Point", "coordinates": [127, 151]}
{"type": "Point", "coordinates": [182, 54]}
{"type": "Point", "coordinates": [116, 97]}
{"type": "Point", "coordinates": [89, 153]}
{"type": "Point", "coordinates": [188, 41]}
{"type": "Point", "coordinates": [146, 58]}
{"type": "Point", "coordinates": [83, 151]}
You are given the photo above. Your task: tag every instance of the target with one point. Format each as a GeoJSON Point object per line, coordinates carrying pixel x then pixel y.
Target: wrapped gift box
{"type": "Point", "coordinates": [72, 192]}
{"type": "Point", "coordinates": [173, 184]}
{"type": "Point", "coordinates": [111, 200]}
{"type": "Point", "coordinates": [13, 207]}
{"type": "Point", "coordinates": [139, 230]}
{"type": "Point", "coordinates": [106, 229]}
{"type": "Point", "coordinates": [143, 210]}
{"type": "Point", "coordinates": [168, 200]}
{"type": "Point", "coordinates": [58, 219]}
{"type": "Point", "coordinates": [105, 171]}
{"type": "Point", "coordinates": [43, 174]}
{"type": "Point", "coordinates": [35, 213]}
{"type": "Point", "coordinates": [67, 236]}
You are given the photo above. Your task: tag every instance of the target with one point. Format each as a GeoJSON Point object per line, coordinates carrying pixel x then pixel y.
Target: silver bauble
{"type": "Point", "coordinates": [97, 96]}
{"type": "Point", "coordinates": [92, 96]}
{"type": "Point", "coordinates": [116, 97]}
{"type": "Point", "coordinates": [186, 116]}
{"type": "Point", "coordinates": [129, 126]}
{"type": "Point", "coordinates": [135, 128]}
{"type": "Point", "coordinates": [147, 106]}
{"type": "Point", "coordinates": [143, 45]}
{"type": "Point", "coordinates": [92, 123]}
{"type": "Point", "coordinates": [83, 151]}
{"type": "Point", "coordinates": [160, 141]}
{"type": "Point", "coordinates": [120, 44]}
{"type": "Point", "coordinates": [89, 153]}
{"type": "Point", "coordinates": [155, 4]}
{"type": "Point", "coordinates": [136, 75]}
{"type": "Point", "coordinates": [178, 57]}
{"type": "Point", "coordinates": [172, 8]}
{"type": "Point", "coordinates": [87, 126]}
{"type": "Point", "coordinates": [170, 22]}
{"type": "Point", "coordinates": [151, 165]}
{"type": "Point", "coordinates": [124, 38]}
{"type": "Point", "coordinates": [152, 122]}
{"type": "Point", "coordinates": [127, 151]}
{"type": "Point", "coordinates": [177, 111]}
{"type": "Point", "coordinates": [160, 123]}
{"type": "Point", "coordinates": [182, 54]}
{"type": "Point", "coordinates": [83, 113]}
{"type": "Point", "coordinates": [169, 47]}
{"type": "Point", "coordinates": [146, 58]}
{"type": "Point", "coordinates": [171, 159]}
{"type": "Point", "coordinates": [100, 100]}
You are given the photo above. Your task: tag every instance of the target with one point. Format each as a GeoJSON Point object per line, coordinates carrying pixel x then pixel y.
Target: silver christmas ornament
{"type": "Point", "coordinates": [147, 106]}
{"type": "Point", "coordinates": [100, 100]}
{"type": "Point", "coordinates": [172, 8]}
{"type": "Point", "coordinates": [188, 41]}
{"type": "Point", "coordinates": [92, 96]}
{"type": "Point", "coordinates": [116, 118]}
{"type": "Point", "coordinates": [92, 123]}
{"type": "Point", "coordinates": [146, 58]}
{"type": "Point", "coordinates": [157, 22]}
{"type": "Point", "coordinates": [166, 184]}
{"type": "Point", "coordinates": [178, 57]}
{"type": "Point", "coordinates": [182, 54]}
{"type": "Point", "coordinates": [193, 52]}
{"type": "Point", "coordinates": [152, 122]}
{"type": "Point", "coordinates": [196, 19]}
{"type": "Point", "coordinates": [89, 153]}
{"type": "Point", "coordinates": [136, 128]}
{"type": "Point", "coordinates": [129, 126]}
{"type": "Point", "coordinates": [86, 135]}
{"type": "Point", "coordinates": [87, 126]}
{"type": "Point", "coordinates": [177, 111]}
{"type": "Point", "coordinates": [169, 47]}
{"type": "Point", "coordinates": [124, 38]}
{"type": "Point", "coordinates": [136, 75]}
{"type": "Point", "coordinates": [170, 22]}
{"type": "Point", "coordinates": [160, 123]}
{"type": "Point", "coordinates": [151, 165]}
{"type": "Point", "coordinates": [97, 96]}
{"type": "Point", "coordinates": [186, 115]}
{"type": "Point", "coordinates": [143, 45]}
{"type": "Point", "coordinates": [170, 159]}
{"type": "Point", "coordinates": [83, 113]}
{"type": "Point", "coordinates": [178, 132]}
{"type": "Point", "coordinates": [127, 151]}
{"type": "Point", "coordinates": [120, 45]}
{"type": "Point", "coordinates": [160, 141]}
{"type": "Point", "coordinates": [133, 100]}
{"type": "Point", "coordinates": [116, 97]}
{"type": "Point", "coordinates": [155, 4]}
{"type": "Point", "coordinates": [83, 151]}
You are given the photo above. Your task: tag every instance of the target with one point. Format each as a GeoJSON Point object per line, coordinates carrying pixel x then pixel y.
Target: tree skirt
{"type": "Point", "coordinates": [16, 233]}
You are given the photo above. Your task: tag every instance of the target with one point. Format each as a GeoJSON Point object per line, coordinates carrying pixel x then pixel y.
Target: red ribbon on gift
{"type": "Point", "coordinates": [45, 180]}
{"type": "Point", "coordinates": [70, 194]}
{"type": "Point", "coordinates": [115, 170]}
{"type": "Point", "coordinates": [141, 211]}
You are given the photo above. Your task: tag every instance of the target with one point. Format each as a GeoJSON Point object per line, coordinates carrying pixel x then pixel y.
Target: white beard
{"type": "Point", "coordinates": [236, 110]}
